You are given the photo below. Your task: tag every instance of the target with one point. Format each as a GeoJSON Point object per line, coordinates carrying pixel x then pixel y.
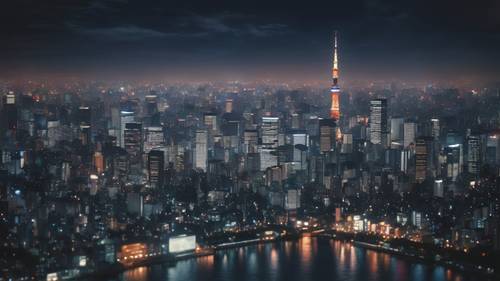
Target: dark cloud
{"type": "Point", "coordinates": [392, 37]}
{"type": "Point", "coordinates": [121, 33]}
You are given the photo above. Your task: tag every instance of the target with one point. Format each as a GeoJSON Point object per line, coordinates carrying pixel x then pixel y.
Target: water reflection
{"type": "Point", "coordinates": [303, 260]}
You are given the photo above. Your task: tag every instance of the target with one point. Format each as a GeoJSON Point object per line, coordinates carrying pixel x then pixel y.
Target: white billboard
{"type": "Point", "coordinates": [182, 243]}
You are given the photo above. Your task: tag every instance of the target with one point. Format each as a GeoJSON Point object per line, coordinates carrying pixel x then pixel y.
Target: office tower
{"type": "Point", "coordinates": [84, 115]}
{"type": "Point", "coordinates": [210, 122]}
{"type": "Point", "coordinates": [125, 117]}
{"type": "Point", "coordinates": [84, 121]}
{"type": "Point", "coordinates": [151, 104]}
{"type": "Point", "coordinates": [347, 144]}
{"type": "Point", "coordinates": [121, 164]}
{"type": "Point", "coordinates": [312, 126]}
{"type": "Point", "coordinates": [378, 121]}
{"type": "Point", "coordinates": [269, 132]}
{"type": "Point", "coordinates": [397, 129]}
{"type": "Point", "coordinates": [423, 149]}
{"type": "Point", "coordinates": [296, 121]}
{"type": "Point", "coordinates": [154, 138]}
{"type": "Point", "coordinates": [229, 106]}
{"type": "Point", "coordinates": [335, 89]}
{"type": "Point", "coordinates": [250, 141]}
{"type": "Point", "coordinates": [300, 142]}
{"type": "Point", "coordinates": [10, 111]}
{"type": "Point", "coordinates": [327, 135]}
{"type": "Point", "coordinates": [473, 155]}
{"type": "Point", "coordinates": [201, 150]}
{"type": "Point", "coordinates": [416, 219]}
{"type": "Point", "coordinates": [156, 159]}
{"type": "Point", "coordinates": [410, 130]}
{"type": "Point", "coordinates": [492, 155]}
{"type": "Point", "coordinates": [454, 161]}
{"type": "Point", "coordinates": [132, 137]}
{"type": "Point", "coordinates": [435, 128]}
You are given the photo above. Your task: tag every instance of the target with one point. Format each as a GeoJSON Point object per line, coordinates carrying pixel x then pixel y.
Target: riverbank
{"type": "Point", "coordinates": [209, 251]}
{"type": "Point", "coordinates": [118, 268]}
{"type": "Point", "coordinates": [464, 268]}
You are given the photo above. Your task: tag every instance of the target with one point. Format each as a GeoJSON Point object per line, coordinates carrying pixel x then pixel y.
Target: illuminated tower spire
{"type": "Point", "coordinates": [335, 90]}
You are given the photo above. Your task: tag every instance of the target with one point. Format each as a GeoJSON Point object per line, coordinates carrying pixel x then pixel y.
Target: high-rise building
{"type": "Point", "coordinates": [10, 111]}
{"type": "Point", "coordinates": [210, 122]}
{"type": "Point", "coordinates": [397, 129]}
{"type": "Point", "coordinates": [125, 117]}
{"type": "Point", "coordinates": [423, 148]}
{"type": "Point", "coordinates": [84, 121]}
{"type": "Point", "coordinates": [154, 138]}
{"type": "Point", "coordinates": [300, 143]}
{"type": "Point", "coordinates": [454, 161]}
{"type": "Point", "coordinates": [201, 150]}
{"type": "Point", "coordinates": [378, 121]}
{"type": "Point", "coordinates": [156, 159]}
{"type": "Point", "coordinates": [269, 132]}
{"type": "Point", "coordinates": [435, 128]}
{"type": "Point", "coordinates": [410, 131]}
{"type": "Point", "coordinates": [132, 136]}
{"type": "Point", "coordinates": [229, 106]}
{"type": "Point", "coordinates": [151, 104]}
{"type": "Point", "coordinates": [492, 155]}
{"type": "Point", "coordinates": [347, 144]}
{"type": "Point", "coordinates": [335, 89]}
{"type": "Point", "coordinates": [250, 141]}
{"type": "Point", "coordinates": [327, 135]}
{"type": "Point", "coordinates": [473, 155]}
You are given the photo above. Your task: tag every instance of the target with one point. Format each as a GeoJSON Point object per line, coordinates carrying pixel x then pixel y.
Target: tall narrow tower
{"type": "Point", "coordinates": [335, 90]}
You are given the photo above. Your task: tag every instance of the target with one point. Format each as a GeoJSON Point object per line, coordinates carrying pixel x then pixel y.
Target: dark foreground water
{"type": "Point", "coordinates": [308, 259]}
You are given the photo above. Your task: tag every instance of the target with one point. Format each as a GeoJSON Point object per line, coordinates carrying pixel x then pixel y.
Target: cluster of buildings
{"type": "Point", "coordinates": [90, 173]}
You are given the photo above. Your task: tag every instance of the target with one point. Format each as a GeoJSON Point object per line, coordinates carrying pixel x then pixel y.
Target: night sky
{"type": "Point", "coordinates": [284, 40]}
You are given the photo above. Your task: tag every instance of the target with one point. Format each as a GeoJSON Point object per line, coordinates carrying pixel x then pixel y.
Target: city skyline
{"type": "Point", "coordinates": [262, 141]}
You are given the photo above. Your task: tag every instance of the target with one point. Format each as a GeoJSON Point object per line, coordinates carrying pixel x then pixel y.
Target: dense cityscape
{"type": "Point", "coordinates": [259, 141]}
{"type": "Point", "coordinates": [92, 172]}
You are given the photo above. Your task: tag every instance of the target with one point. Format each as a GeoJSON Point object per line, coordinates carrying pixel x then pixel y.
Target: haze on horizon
{"type": "Point", "coordinates": [282, 40]}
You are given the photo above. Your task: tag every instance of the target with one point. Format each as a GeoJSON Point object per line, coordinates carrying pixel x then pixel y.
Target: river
{"type": "Point", "coordinates": [308, 259]}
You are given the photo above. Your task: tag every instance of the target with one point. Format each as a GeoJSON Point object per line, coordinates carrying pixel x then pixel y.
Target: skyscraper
{"type": "Point", "coordinates": [201, 150]}
{"type": "Point", "coordinates": [378, 121]}
{"type": "Point", "coordinates": [410, 130]}
{"type": "Point", "coordinates": [422, 158]}
{"type": "Point", "coordinates": [229, 106]}
{"type": "Point", "coordinates": [125, 117]}
{"type": "Point", "coordinates": [10, 111]}
{"type": "Point", "coordinates": [335, 90]}
{"type": "Point", "coordinates": [156, 167]}
{"type": "Point", "coordinates": [397, 129]}
{"type": "Point", "coordinates": [326, 135]}
{"type": "Point", "coordinates": [269, 132]}
{"type": "Point", "coordinates": [154, 138]}
{"type": "Point", "coordinates": [435, 128]}
{"type": "Point", "coordinates": [473, 154]}
{"type": "Point", "coordinates": [84, 121]}
{"type": "Point", "coordinates": [133, 141]}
